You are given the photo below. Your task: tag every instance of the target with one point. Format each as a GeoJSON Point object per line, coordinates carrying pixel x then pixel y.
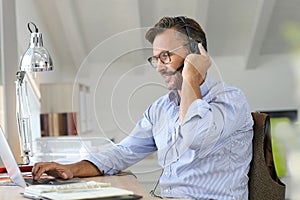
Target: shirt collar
{"type": "Point", "coordinates": [206, 85]}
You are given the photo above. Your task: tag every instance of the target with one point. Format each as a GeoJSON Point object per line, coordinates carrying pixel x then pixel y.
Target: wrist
{"type": "Point", "coordinates": [85, 168]}
{"type": "Point", "coordinates": [194, 80]}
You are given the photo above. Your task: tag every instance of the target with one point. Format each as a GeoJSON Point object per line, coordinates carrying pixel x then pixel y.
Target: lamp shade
{"type": "Point", "coordinates": [36, 58]}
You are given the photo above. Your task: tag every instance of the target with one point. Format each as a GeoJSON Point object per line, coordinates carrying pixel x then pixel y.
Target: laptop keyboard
{"type": "Point", "coordinates": [50, 181]}
{"type": "Point", "coordinates": [41, 181]}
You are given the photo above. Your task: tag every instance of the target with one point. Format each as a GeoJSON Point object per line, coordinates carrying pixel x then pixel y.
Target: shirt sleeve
{"type": "Point", "coordinates": [133, 148]}
{"type": "Point", "coordinates": [207, 122]}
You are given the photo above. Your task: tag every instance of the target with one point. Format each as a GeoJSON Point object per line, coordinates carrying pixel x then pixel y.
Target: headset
{"type": "Point", "coordinates": [193, 43]}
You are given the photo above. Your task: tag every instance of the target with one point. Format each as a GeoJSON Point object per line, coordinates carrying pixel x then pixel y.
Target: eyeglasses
{"type": "Point", "coordinates": [164, 56]}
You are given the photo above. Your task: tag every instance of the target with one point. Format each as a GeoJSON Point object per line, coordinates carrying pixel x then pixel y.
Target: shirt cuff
{"type": "Point", "coordinates": [198, 108]}
{"type": "Point", "coordinates": [105, 169]}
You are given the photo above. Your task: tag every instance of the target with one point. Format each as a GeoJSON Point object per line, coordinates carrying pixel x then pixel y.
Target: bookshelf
{"type": "Point", "coordinates": [64, 109]}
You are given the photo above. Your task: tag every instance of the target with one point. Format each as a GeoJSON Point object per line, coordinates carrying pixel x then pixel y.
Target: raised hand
{"type": "Point", "coordinates": [196, 66]}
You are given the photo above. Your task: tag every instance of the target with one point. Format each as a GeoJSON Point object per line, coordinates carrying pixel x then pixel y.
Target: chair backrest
{"type": "Point", "coordinates": [264, 183]}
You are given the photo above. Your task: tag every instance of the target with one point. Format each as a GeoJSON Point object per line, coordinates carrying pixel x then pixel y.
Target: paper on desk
{"type": "Point", "coordinates": [104, 192]}
{"type": "Point", "coordinates": [37, 190]}
{"type": "Point", "coordinates": [86, 190]}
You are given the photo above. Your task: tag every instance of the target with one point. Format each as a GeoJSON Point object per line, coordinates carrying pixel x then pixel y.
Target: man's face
{"type": "Point", "coordinates": [166, 41]}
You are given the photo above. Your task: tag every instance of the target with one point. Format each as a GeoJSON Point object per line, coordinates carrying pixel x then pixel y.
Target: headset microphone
{"type": "Point", "coordinates": [171, 73]}
{"type": "Point", "coordinates": [178, 69]}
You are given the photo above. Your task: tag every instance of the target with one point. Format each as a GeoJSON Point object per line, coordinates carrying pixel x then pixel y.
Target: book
{"type": "Point", "coordinates": [82, 190]}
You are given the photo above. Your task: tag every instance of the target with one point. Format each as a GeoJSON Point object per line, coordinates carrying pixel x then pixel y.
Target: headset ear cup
{"type": "Point", "coordinates": [194, 47]}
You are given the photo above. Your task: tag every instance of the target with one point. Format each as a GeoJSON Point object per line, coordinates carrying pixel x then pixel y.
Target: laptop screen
{"type": "Point", "coordinates": [10, 162]}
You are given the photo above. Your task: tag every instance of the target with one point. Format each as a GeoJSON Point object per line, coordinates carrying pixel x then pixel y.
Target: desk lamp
{"type": "Point", "coordinates": [35, 59]}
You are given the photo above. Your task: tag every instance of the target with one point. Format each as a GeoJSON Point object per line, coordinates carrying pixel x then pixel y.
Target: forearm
{"type": "Point", "coordinates": [189, 93]}
{"type": "Point", "coordinates": [84, 168]}
{"type": "Point", "coordinates": [194, 73]}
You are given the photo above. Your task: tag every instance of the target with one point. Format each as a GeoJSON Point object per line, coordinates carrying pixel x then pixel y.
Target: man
{"type": "Point", "coordinates": [201, 129]}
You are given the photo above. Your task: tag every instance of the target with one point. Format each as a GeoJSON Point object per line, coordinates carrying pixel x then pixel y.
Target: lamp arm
{"type": "Point", "coordinates": [23, 117]}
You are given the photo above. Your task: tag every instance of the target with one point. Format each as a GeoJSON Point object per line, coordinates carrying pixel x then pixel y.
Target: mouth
{"type": "Point", "coordinates": [166, 77]}
{"type": "Point", "coordinates": [167, 74]}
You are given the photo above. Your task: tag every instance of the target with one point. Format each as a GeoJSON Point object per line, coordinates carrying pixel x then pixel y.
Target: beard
{"type": "Point", "coordinates": [173, 82]}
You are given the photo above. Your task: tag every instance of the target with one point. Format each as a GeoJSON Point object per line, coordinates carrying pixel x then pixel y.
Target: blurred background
{"type": "Point", "coordinates": [102, 79]}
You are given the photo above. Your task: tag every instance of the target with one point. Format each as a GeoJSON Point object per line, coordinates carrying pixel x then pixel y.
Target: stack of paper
{"type": "Point", "coordinates": [85, 190]}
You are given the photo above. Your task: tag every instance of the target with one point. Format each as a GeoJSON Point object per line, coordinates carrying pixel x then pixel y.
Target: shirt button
{"type": "Point", "coordinates": [166, 190]}
{"type": "Point", "coordinates": [166, 173]}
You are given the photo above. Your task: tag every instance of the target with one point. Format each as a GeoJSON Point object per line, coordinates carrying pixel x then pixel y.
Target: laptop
{"type": "Point", "coordinates": [14, 171]}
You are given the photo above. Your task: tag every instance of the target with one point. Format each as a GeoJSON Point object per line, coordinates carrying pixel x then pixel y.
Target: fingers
{"type": "Point", "coordinates": [202, 50]}
{"type": "Point", "coordinates": [196, 66]}
{"type": "Point", "coordinates": [63, 173]}
{"type": "Point", "coordinates": [38, 170]}
{"type": "Point", "coordinates": [51, 168]}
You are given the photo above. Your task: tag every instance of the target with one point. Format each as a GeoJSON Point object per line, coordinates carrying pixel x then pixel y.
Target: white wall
{"type": "Point", "coordinates": [272, 85]}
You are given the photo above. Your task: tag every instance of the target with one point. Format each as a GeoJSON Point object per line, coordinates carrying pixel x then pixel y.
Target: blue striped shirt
{"type": "Point", "coordinates": [207, 156]}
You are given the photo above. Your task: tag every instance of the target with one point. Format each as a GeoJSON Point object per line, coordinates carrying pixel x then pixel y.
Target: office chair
{"type": "Point", "coordinates": [264, 183]}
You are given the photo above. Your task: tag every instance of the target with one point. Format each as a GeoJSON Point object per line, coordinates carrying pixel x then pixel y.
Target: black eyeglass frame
{"type": "Point", "coordinates": [164, 53]}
